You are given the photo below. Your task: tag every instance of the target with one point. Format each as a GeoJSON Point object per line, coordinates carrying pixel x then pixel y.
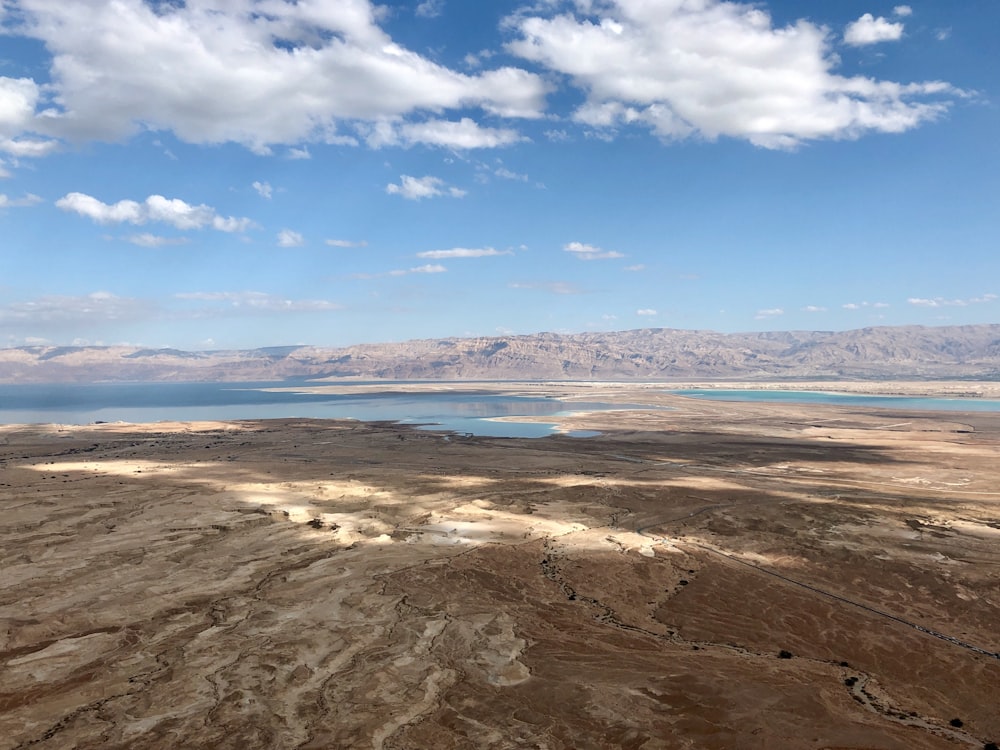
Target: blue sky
{"type": "Point", "coordinates": [242, 173]}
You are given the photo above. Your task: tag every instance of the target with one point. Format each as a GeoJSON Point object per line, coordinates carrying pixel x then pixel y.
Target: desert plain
{"type": "Point", "coordinates": [709, 575]}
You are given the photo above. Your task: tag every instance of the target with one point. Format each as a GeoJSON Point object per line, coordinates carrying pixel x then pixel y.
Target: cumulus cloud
{"type": "Point", "coordinates": [711, 69]}
{"type": "Point", "coordinates": [870, 30]}
{"type": "Point", "coordinates": [646, 312]}
{"type": "Point", "coordinates": [19, 98]}
{"type": "Point", "coordinates": [155, 208]}
{"type": "Point", "coordinates": [463, 252]}
{"type": "Point", "coordinates": [418, 188]}
{"type": "Point", "coordinates": [902, 11]}
{"type": "Point", "coordinates": [943, 302]}
{"type": "Point", "coordinates": [290, 238]}
{"type": "Point", "coordinates": [813, 309]}
{"type": "Point", "coordinates": [460, 134]}
{"type": "Point", "coordinates": [255, 72]}
{"type": "Point", "coordinates": [590, 252]}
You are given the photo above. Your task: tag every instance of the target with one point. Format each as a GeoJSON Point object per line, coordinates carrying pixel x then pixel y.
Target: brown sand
{"type": "Point", "coordinates": [311, 584]}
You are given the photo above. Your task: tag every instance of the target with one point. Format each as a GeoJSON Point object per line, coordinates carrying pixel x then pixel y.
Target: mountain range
{"type": "Point", "coordinates": [899, 352]}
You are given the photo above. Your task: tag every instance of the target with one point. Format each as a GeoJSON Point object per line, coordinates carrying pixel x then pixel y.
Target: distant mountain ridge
{"type": "Point", "coordinates": [971, 351]}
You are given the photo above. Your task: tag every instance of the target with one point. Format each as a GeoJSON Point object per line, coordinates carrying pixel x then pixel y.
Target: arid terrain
{"type": "Point", "coordinates": [876, 353]}
{"type": "Point", "coordinates": [712, 576]}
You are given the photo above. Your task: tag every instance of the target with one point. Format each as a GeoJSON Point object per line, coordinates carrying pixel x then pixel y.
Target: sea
{"type": "Point", "coordinates": [463, 412]}
{"type": "Point", "coordinates": [846, 399]}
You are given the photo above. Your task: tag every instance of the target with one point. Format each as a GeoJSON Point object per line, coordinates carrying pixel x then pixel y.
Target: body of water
{"type": "Point", "coordinates": [155, 402]}
{"type": "Point", "coordinates": [847, 399]}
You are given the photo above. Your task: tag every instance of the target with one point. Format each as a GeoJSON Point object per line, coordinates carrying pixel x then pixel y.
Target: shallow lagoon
{"type": "Point", "coordinates": [462, 412]}
{"type": "Point", "coordinates": [845, 399]}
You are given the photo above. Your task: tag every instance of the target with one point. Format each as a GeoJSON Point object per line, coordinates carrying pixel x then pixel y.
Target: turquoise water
{"type": "Point", "coordinates": [155, 402]}
{"type": "Point", "coordinates": [846, 399]}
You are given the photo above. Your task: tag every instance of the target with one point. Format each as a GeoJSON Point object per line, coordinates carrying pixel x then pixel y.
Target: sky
{"type": "Point", "coordinates": [216, 174]}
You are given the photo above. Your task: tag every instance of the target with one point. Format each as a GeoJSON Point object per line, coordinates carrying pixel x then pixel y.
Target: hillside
{"type": "Point", "coordinates": [645, 354]}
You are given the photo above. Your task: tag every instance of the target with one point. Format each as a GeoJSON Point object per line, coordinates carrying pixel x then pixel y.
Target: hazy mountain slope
{"type": "Point", "coordinates": [657, 353]}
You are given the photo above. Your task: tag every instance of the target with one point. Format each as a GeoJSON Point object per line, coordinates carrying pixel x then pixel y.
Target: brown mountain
{"type": "Point", "coordinates": [647, 354]}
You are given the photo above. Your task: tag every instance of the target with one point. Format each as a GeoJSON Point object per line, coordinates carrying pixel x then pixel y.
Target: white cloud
{"type": "Point", "coordinates": [263, 189]}
{"type": "Point", "coordinates": [871, 30]}
{"type": "Point", "coordinates": [711, 69]}
{"type": "Point", "coordinates": [475, 59]}
{"type": "Point", "coordinates": [70, 311]}
{"type": "Point", "coordinates": [427, 268]}
{"type": "Point", "coordinates": [430, 8]}
{"type": "Point", "coordinates": [590, 252]}
{"type": "Point", "coordinates": [19, 98]}
{"type": "Point", "coordinates": [171, 211]}
{"type": "Point", "coordinates": [507, 174]}
{"type": "Point", "coordinates": [463, 252]}
{"type": "Point", "coordinates": [299, 153]}
{"type": "Point", "coordinates": [813, 309]}
{"type": "Point", "coordinates": [346, 243]}
{"type": "Point", "coordinates": [289, 238]}
{"type": "Point", "coordinates": [902, 11]}
{"type": "Point", "coordinates": [29, 199]}
{"type": "Point", "coordinates": [636, 267]}
{"type": "Point", "coordinates": [461, 134]}
{"type": "Point", "coordinates": [773, 312]}
{"type": "Point", "coordinates": [255, 72]}
{"type": "Point", "coordinates": [942, 302]}
{"type": "Point", "coordinates": [862, 305]}
{"type": "Point", "coordinates": [151, 240]}
{"type": "Point", "coordinates": [418, 188]}
{"type": "Point", "coordinates": [646, 312]}
{"type": "Point", "coordinates": [254, 302]}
